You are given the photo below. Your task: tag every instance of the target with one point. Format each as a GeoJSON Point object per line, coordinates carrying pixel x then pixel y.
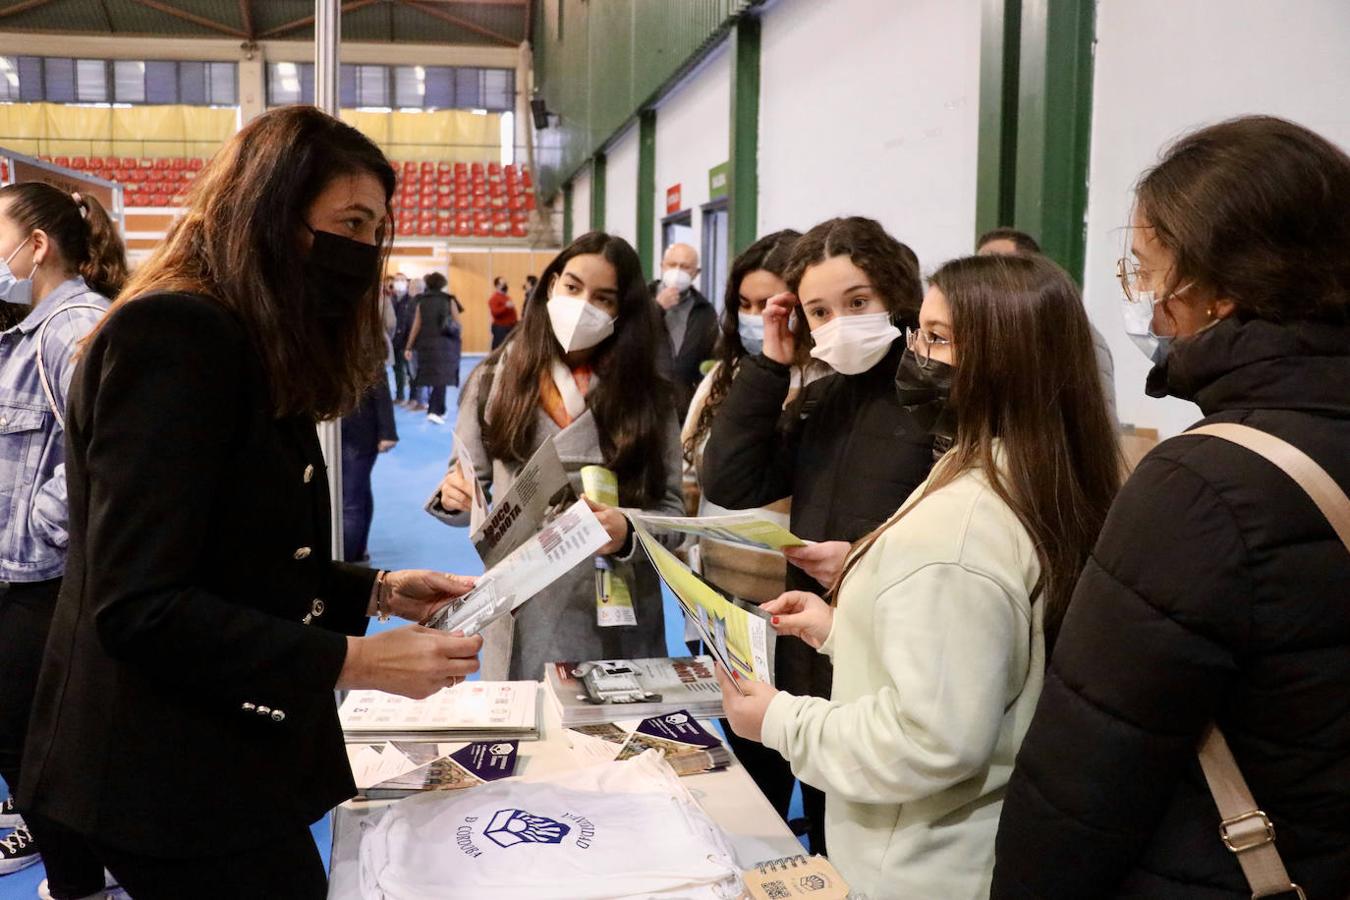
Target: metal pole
{"type": "Point", "coordinates": [327, 38]}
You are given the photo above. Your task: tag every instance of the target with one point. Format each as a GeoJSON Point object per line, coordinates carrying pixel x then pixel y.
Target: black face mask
{"type": "Point", "coordinates": [340, 273]}
{"type": "Point", "coordinates": [925, 393]}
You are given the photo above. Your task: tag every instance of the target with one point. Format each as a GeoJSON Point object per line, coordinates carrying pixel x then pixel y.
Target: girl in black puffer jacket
{"type": "Point", "coordinates": [1217, 591]}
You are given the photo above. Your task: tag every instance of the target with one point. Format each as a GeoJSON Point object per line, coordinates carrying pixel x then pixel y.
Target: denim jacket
{"type": "Point", "coordinates": [33, 517]}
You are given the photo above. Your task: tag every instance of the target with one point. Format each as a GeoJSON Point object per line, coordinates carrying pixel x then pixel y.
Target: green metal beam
{"type": "Point", "coordinates": [743, 204]}
{"type": "Point", "coordinates": [597, 192]}
{"type": "Point", "coordinates": [1054, 122]}
{"type": "Point", "coordinates": [646, 189]}
{"type": "Point", "coordinates": [567, 214]}
{"type": "Point", "coordinates": [1000, 46]}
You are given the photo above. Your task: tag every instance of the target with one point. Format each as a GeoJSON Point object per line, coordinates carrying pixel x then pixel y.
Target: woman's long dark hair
{"type": "Point", "coordinates": [1026, 376]}
{"type": "Point", "coordinates": [770, 254]}
{"type": "Point", "coordinates": [84, 236]}
{"type": "Point", "coordinates": [630, 400]}
{"type": "Point", "coordinates": [239, 243]}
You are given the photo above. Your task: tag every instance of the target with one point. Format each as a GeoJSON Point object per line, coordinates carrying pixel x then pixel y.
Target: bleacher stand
{"type": "Point", "coordinates": [433, 199]}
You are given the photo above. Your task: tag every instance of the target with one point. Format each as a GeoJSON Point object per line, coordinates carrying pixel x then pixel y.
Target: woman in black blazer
{"type": "Point", "coordinates": [185, 720]}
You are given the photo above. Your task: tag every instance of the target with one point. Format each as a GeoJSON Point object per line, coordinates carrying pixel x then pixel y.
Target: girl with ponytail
{"type": "Point", "coordinates": [61, 263]}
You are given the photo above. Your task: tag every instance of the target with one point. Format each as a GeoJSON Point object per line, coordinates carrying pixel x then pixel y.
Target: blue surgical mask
{"type": "Point", "coordinates": [14, 289]}
{"type": "Point", "coordinates": [1138, 315]}
{"type": "Point", "coordinates": [751, 329]}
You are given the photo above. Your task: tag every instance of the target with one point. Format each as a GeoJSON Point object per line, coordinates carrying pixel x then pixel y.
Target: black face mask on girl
{"type": "Point", "coordinates": [339, 274]}
{"type": "Point", "coordinates": [925, 393]}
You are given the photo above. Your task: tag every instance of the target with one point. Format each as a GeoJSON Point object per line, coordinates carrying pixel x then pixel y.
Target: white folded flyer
{"type": "Point", "coordinates": [572, 538]}
{"type": "Point", "coordinates": [748, 529]}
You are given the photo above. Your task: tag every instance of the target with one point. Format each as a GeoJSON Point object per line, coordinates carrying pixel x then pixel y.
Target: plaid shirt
{"type": "Point", "coordinates": [33, 517]}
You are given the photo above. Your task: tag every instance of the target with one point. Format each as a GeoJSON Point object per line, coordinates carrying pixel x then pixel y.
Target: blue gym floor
{"type": "Point", "coordinates": [402, 536]}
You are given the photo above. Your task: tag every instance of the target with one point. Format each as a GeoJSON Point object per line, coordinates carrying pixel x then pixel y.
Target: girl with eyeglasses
{"type": "Point", "coordinates": [942, 615]}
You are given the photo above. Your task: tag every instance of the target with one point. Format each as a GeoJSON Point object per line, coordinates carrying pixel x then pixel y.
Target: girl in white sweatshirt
{"type": "Point", "coordinates": [943, 617]}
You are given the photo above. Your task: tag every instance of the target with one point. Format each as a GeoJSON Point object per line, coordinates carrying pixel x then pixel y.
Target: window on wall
{"type": "Point", "coordinates": [128, 81]}
{"type": "Point", "coordinates": [401, 87]}
{"type": "Point", "coordinates": [9, 78]}
{"type": "Point", "coordinates": [60, 80]}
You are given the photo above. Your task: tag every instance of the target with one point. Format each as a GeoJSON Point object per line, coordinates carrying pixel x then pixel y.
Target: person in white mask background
{"type": "Point", "coordinates": [844, 450]}
{"type": "Point", "coordinates": [690, 322]}
{"type": "Point", "coordinates": [580, 370]}
{"type": "Point", "coordinates": [61, 262]}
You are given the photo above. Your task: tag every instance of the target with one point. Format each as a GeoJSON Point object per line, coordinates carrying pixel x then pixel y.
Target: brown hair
{"type": "Point", "coordinates": [770, 254]}
{"type": "Point", "coordinates": [630, 400]}
{"type": "Point", "coordinates": [892, 267]}
{"type": "Point", "coordinates": [1026, 375]}
{"type": "Point", "coordinates": [78, 226]}
{"type": "Point", "coordinates": [238, 243]}
{"type": "Point", "coordinates": [1255, 211]}
{"type": "Point", "coordinates": [1024, 242]}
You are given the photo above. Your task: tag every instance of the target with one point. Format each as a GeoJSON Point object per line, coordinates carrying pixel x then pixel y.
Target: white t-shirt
{"type": "Point", "coordinates": [619, 829]}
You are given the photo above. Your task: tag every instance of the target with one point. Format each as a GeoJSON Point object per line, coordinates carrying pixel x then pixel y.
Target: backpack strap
{"type": "Point", "coordinates": [41, 363]}
{"type": "Point", "coordinates": [1244, 828]}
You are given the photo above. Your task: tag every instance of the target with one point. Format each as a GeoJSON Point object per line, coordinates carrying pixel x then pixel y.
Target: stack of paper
{"type": "Point", "coordinates": [470, 711]}
{"type": "Point", "coordinates": [395, 769]}
{"type": "Point", "coordinates": [611, 690]}
{"type": "Point", "coordinates": [687, 746]}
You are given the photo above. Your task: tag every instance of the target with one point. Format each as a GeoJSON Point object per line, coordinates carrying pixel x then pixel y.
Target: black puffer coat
{"type": "Point", "coordinates": [1217, 590]}
{"type": "Point", "coordinates": [848, 461]}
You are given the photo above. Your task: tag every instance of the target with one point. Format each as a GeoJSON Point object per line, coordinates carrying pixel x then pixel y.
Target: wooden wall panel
{"type": "Point", "coordinates": [471, 282]}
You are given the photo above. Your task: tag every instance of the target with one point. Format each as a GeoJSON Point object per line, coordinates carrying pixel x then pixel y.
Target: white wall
{"type": "Point", "coordinates": [1164, 67]}
{"type": "Point", "coordinates": [871, 107]}
{"type": "Point", "coordinates": [581, 202]}
{"type": "Point", "coordinates": [693, 134]}
{"type": "Point", "coordinates": [621, 186]}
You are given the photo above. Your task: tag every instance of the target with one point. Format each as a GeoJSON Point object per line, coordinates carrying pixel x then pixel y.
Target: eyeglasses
{"type": "Point", "coordinates": [921, 344]}
{"type": "Point", "coordinates": [1129, 276]}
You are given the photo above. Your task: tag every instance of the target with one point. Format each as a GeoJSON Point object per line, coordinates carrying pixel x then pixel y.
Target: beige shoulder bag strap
{"type": "Point", "coordinates": [1244, 828]}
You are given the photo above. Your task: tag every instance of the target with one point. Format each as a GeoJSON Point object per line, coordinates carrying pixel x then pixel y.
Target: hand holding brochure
{"type": "Point", "coordinates": [738, 636]}
{"type": "Point", "coordinates": [747, 529]}
{"type": "Point", "coordinates": [570, 539]}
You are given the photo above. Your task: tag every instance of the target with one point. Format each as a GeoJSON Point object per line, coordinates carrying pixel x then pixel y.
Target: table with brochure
{"type": "Point", "coordinates": [729, 797]}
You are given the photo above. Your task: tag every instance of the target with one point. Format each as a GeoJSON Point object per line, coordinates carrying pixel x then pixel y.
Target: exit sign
{"type": "Point", "coordinates": [674, 202]}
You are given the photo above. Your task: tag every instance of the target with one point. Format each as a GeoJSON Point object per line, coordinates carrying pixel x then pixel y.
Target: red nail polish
{"type": "Point", "coordinates": [774, 620]}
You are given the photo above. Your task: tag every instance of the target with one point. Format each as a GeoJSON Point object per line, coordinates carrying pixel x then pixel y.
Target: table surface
{"type": "Point", "coordinates": [729, 797]}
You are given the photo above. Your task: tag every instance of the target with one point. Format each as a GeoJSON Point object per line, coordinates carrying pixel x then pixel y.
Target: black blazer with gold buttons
{"type": "Point", "coordinates": [185, 706]}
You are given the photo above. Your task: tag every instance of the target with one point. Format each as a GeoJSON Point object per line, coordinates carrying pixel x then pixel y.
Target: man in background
{"type": "Point", "coordinates": [1011, 242]}
{"type": "Point", "coordinates": [504, 315]}
{"type": "Point", "coordinates": [690, 321]}
{"type": "Point", "coordinates": [404, 308]}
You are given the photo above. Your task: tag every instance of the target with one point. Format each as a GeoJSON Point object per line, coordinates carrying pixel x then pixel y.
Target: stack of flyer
{"type": "Point", "coordinates": [469, 711]}
{"type": "Point", "coordinates": [687, 746]}
{"type": "Point", "coordinates": [391, 770]}
{"type": "Point", "coordinates": [612, 690]}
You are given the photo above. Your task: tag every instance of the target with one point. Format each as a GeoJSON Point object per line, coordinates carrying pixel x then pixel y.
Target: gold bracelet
{"type": "Point", "coordinates": [381, 598]}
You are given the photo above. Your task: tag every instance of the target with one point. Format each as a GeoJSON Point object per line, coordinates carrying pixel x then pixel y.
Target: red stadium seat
{"type": "Point", "coordinates": [445, 228]}
{"type": "Point", "coordinates": [463, 229]}
{"type": "Point", "coordinates": [162, 163]}
{"type": "Point", "coordinates": [406, 229]}
{"type": "Point", "coordinates": [520, 229]}
{"type": "Point", "coordinates": [426, 229]}
{"type": "Point", "coordinates": [63, 161]}
{"type": "Point", "coordinates": [195, 164]}
{"type": "Point", "coordinates": [178, 163]}
{"type": "Point", "coordinates": [529, 202]}
{"type": "Point", "coordinates": [445, 201]}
